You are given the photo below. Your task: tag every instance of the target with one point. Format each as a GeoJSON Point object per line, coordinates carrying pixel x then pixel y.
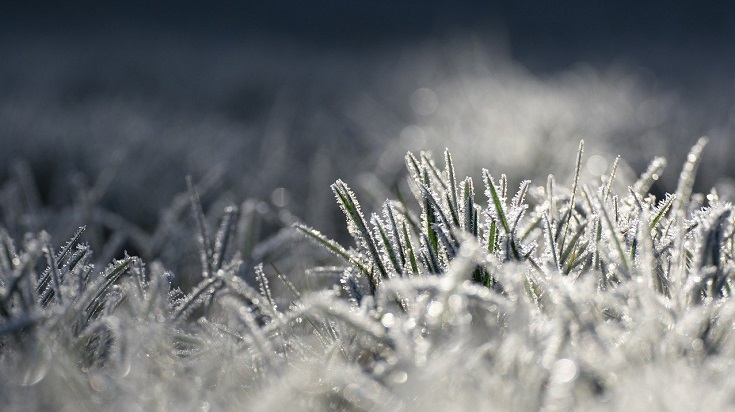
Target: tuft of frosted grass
{"type": "Point", "coordinates": [552, 298]}
{"type": "Point", "coordinates": [612, 253]}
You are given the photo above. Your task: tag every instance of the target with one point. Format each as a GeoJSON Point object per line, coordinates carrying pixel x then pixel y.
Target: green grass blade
{"type": "Point", "coordinates": [107, 278]}
{"type": "Point", "coordinates": [395, 244]}
{"type": "Point", "coordinates": [332, 246]}
{"type": "Point", "coordinates": [662, 210]}
{"type": "Point", "coordinates": [688, 174]}
{"type": "Point", "coordinates": [575, 183]}
{"type": "Point", "coordinates": [54, 268]}
{"type": "Point", "coordinates": [194, 298]}
{"type": "Point", "coordinates": [469, 222]}
{"type": "Point", "coordinates": [387, 244]}
{"type": "Point", "coordinates": [492, 194]}
{"type": "Point", "coordinates": [550, 240]}
{"type": "Point", "coordinates": [608, 186]}
{"type": "Point", "coordinates": [453, 195]}
{"type": "Point", "coordinates": [224, 233]}
{"type": "Point", "coordinates": [410, 253]}
{"type": "Point", "coordinates": [652, 174]}
{"type": "Point", "coordinates": [494, 197]}
{"type": "Point", "coordinates": [356, 223]}
{"type": "Point", "coordinates": [205, 247]}
{"type": "Point", "coordinates": [566, 253]}
{"type": "Point", "coordinates": [614, 232]}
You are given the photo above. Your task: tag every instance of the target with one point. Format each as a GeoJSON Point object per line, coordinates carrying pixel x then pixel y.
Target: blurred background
{"type": "Point", "coordinates": [275, 100]}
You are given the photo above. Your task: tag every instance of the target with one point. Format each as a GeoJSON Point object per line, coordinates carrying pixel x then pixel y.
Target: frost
{"type": "Point", "coordinates": [577, 298]}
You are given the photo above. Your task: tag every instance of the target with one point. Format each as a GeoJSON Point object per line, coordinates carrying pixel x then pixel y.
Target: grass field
{"type": "Point", "coordinates": [172, 248]}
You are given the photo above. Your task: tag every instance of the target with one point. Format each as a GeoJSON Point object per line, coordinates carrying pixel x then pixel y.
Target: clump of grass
{"type": "Point", "coordinates": [549, 298]}
{"type": "Point", "coordinates": [582, 260]}
{"type": "Point", "coordinates": [582, 232]}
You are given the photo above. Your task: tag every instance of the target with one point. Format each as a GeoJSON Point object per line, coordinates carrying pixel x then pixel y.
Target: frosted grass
{"type": "Point", "coordinates": [544, 301]}
{"type": "Point", "coordinates": [577, 292]}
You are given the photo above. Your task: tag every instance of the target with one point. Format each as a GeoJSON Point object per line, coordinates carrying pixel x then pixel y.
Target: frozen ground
{"type": "Point", "coordinates": [104, 136]}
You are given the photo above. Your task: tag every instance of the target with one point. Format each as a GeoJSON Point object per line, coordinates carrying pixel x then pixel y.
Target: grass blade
{"type": "Point", "coordinates": [572, 200]}
{"type": "Point", "coordinates": [205, 247]}
{"type": "Point", "coordinates": [331, 245]}
{"type": "Point", "coordinates": [651, 175]}
{"type": "Point", "coordinates": [356, 223]}
{"type": "Point", "coordinates": [688, 173]}
{"type": "Point", "coordinates": [550, 240]}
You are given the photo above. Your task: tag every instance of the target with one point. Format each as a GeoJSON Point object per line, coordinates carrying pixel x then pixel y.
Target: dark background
{"type": "Point", "coordinates": [573, 29]}
{"type": "Point", "coordinates": [688, 45]}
